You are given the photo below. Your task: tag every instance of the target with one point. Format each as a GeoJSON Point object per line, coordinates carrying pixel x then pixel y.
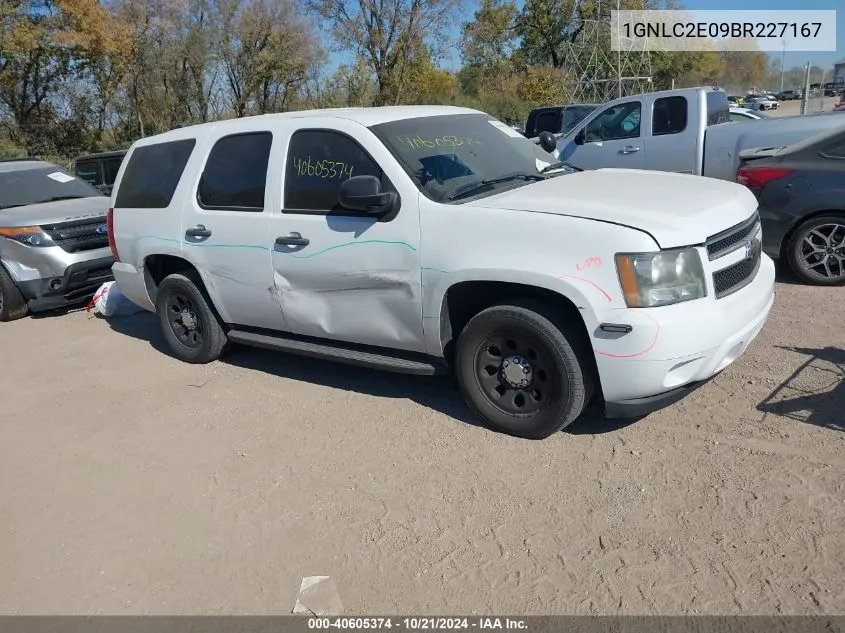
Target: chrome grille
{"type": "Point", "coordinates": [81, 235]}
{"type": "Point", "coordinates": [736, 276]}
{"type": "Point", "coordinates": [728, 241]}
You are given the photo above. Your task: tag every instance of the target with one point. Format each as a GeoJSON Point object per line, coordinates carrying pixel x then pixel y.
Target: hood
{"type": "Point", "coordinates": [675, 209]}
{"type": "Point", "coordinates": [55, 212]}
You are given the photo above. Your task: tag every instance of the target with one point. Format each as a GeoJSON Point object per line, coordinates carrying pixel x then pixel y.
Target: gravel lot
{"type": "Point", "coordinates": [133, 484]}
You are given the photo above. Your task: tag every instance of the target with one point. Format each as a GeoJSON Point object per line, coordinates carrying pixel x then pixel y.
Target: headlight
{"type": "Point", "coordinates": [657, 279]}
{"type": "Point", "coordinates": [29, 235]}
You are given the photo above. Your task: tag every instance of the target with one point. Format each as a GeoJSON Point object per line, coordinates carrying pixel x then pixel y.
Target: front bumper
{"type": "Point", "coordinates": [78, 282]}
{"type": "Point", "coordinates": [682, 346]}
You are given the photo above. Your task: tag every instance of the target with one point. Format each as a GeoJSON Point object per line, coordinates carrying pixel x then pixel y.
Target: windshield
{"type": "Point", "coordinates": [23, 187]}
{"type": "Point", "coordinates": [573, 115]}
{"type": "Point", "coordinates": [453, 155]}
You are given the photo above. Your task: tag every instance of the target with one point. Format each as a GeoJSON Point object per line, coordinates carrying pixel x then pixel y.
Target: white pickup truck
{"type": "Point", "coordinates": [424, 239]}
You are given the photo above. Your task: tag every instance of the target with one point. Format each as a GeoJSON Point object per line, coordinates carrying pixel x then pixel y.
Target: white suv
{"type": "Point", "coordinates": [418, 239]}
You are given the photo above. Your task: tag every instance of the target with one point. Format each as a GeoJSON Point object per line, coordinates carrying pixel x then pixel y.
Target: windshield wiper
{"type": "Point", "coordinates": [57, 198]}
{"type": "Point", "coordinates": [562, 163]}
{"type": "Point", "coordinates": [470, 189]}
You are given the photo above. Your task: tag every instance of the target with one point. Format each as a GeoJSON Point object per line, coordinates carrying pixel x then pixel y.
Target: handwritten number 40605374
{"type": "Point", "coordinates": [322, 168]}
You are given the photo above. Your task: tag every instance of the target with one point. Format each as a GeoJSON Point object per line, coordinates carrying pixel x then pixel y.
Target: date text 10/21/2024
{"type": "Point", "coordinates": [418, 623]}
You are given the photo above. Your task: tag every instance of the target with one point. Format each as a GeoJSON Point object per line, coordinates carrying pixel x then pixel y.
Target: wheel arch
{"type": "Point", "coordinates": [464, 298]}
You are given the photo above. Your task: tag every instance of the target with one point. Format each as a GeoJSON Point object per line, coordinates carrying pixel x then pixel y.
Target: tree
{"type": "Point", "coordinates": [47, 43]}
{"type": "Point", "coordinates": [387, 34]}
{"type": "Point", "coordinates": [487, 43]}
{"type": "Point", "coordinates": [266, 51]}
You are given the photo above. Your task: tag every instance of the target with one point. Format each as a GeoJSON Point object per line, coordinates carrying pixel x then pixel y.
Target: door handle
{"type": "Point", "coordinates": [293, 239]}
{"type": "Point", "coordinates": [629, 149]}
{"type": "Point", "coordinates": [198, 231]}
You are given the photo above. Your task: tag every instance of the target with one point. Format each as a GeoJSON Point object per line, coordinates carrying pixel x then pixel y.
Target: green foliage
{"type": "Point", "coordinates": [82, 75]}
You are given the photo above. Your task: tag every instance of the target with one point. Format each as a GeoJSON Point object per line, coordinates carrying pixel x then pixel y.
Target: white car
{"type": "Point", "coordinates": [761, 103]}
{"type": "Point", "coordinates": [423, 239]}
{"type": "Point", "coordinates": [744, 115]}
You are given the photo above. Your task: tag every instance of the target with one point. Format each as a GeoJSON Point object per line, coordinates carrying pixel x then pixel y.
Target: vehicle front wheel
{"type": "Point", "coordinates": [816, 251]}
{"type": "Point", "coordinates": [12, 304]}
{"type": "Point", "coordinates": [522, 372]}
{"type": "Point", "coordinates": [189, 324]}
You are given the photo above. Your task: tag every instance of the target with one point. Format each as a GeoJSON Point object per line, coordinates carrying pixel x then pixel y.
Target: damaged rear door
{"type": "Point", "coordinates": [340, 274]}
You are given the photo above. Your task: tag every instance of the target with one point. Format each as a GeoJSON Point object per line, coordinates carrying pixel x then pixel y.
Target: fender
{"type": "Point", "coordinates": [581, 291]}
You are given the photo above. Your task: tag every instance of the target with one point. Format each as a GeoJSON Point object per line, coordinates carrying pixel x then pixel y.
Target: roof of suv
{"type": "Point", "coordinates": [364, 116]}
{"type": "Point", "coordinates": [22, 164]}
{"type": "Point", "coordinates": [112, 154]}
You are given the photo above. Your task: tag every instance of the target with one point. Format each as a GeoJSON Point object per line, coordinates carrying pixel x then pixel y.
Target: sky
{"type": "Point", "coordinates": [793, 58]}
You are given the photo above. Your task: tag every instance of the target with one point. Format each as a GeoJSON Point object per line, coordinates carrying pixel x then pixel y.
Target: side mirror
{"type": "Point", "coordinates": [580, 137]}
{"type": "Point", "coordinates": [548, 141]}
{"type": "Point", "coordinates": [363, 193]}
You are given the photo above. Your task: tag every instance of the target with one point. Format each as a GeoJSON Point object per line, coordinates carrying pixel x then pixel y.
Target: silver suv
{"type": "Point", "coordinates": [54, 249]}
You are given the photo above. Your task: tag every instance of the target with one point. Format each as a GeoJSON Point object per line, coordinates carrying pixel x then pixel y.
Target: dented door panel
{"type": "Point", "coordinates": [357, 279]}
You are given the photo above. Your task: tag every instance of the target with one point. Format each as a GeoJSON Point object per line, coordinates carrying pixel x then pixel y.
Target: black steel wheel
{"type": "Point", "coordinates": [189, 324]}
{"type": "Point", "coordinates": [817, 251]}
{"type": "Point", "coordinates": [522, 372]}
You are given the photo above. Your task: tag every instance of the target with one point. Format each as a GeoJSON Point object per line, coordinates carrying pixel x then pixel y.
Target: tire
{"type": "Point", "coordinates": [189, 323]}
{"type": "Point", "coordinates": [824, 266]}
{"type": "Point", "coordinates": [12, 304]}
{"type": "Point", "coordinates": [560, 368]}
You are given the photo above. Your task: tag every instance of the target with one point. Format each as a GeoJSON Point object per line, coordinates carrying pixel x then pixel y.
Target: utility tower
{"type": "Point", "coordinates": [599, 74]}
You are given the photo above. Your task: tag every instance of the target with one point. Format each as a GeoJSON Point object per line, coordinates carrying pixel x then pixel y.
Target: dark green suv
{"type": "Point", "coordinates": [99, 170]}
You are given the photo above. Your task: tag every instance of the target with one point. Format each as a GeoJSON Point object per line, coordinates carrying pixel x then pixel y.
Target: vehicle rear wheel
{"type": "Point", "coordinates": [190, 325]}
{"type": "Point", "coordinates": [12, 304]}
{"type": "Point", "coordinates": [816, 251]}
{"type": "Point", "coordinates": [522, 372]}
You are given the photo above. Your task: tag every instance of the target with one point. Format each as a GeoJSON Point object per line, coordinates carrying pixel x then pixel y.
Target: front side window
{"type": "Point", "coordinates": [152, 175]}
{"type": "Point", "coordinates": [670, 116]}
{"type": "Point", "coordinates": [318, 162]}
{"type": "Point", "coordinates": [617, 122]}
{"type": "Point", "coordinates": [235, 174]}
{"type": "Point", "coordinates": [454, 157]}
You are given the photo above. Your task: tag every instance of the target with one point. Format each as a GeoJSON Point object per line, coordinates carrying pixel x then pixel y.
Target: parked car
{"type": "Point", "coordinates": [99, 170]}
{"type": "Point", "coordinates": [789, 95]}
{"type": "Point", "coordinates": [382, 237]}
{"type": "Point", "coordinates": [760, 103]}
{"type": "Point", "coordinates": [681, 132]}
{"type": "Point", "coordinates": [556, 119]}
{"type": "Point", "coordinates": [54, 250]}
{"type": "Point", "coordinates": [744, 115]}
{"type": "Point", "coordinates": [802, 206]}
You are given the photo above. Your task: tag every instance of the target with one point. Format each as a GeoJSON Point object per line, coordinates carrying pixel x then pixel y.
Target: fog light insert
{"type": "Point", "coordinates": [55, 284]}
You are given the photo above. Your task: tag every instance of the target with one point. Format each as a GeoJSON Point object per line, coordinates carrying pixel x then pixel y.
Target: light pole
{"type": "Point", "coordinates": [782, 60]}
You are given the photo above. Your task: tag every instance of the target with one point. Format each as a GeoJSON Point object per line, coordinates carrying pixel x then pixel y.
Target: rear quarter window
{"type": "Point", "coordinates": [152, 175]}
{"type": "Point", "coordinates": [718, 108]}
{"type": "Point", "coordinates": [89, 171]}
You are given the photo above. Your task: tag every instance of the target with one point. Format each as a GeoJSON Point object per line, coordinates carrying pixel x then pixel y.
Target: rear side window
{"type": "Point", "coordinates": [110, 169]}
{"type": "Point", "coordinates": [152, 175]}
{"type": "Point", "coordinates": [670, 116]}
{"type": "Point", "coordinates": [718, 108]}
{"type": "Point", "coordinates": [235, 175]}
{"type": "Point", "coordinates": [548, 121]}
{"type": "Point", "coordinates": [89, 171]}
{"type": "Point", "coordinates": [837, 151]}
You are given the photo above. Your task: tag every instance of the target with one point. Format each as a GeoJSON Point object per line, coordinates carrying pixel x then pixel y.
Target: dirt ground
{"type": "Point", "coordinates": [131, 483]}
